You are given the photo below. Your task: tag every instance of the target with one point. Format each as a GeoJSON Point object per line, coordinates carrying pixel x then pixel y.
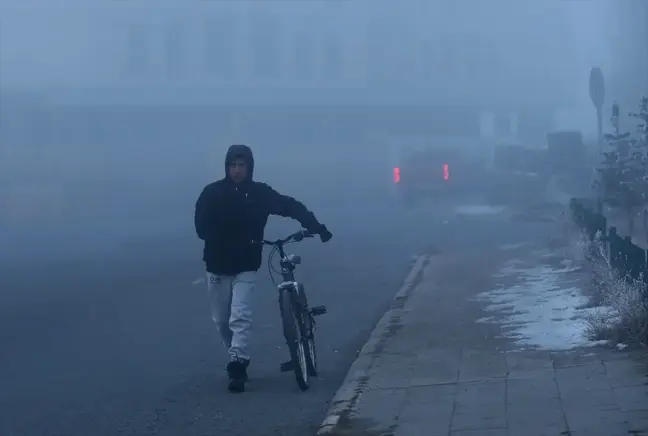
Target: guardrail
{"type": "Point", "coordinates": [626, 258]}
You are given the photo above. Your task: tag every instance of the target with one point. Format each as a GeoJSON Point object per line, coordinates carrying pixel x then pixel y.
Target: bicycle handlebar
{"type": "Point", "coordinates": [296, 237]}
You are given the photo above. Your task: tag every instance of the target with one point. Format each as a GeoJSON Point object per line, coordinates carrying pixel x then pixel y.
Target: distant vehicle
{"type": "Point", "coordinates": [519, 173]}
{"type": "Point", "coordinates": [566, 151]}
{"type": "Point", "coordinates": [435, 169]}
{"type": "Point", "coordinates": [571, 163]}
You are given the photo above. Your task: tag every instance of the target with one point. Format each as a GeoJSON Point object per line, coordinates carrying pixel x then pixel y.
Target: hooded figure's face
{"type": "Point", "coordinates": [239, 163]}
{"type": "Point", "coordinates": [237, 170]}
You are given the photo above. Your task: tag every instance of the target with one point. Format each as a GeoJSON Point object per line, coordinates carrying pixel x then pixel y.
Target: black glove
{"type": "Point", "coordinates": [324, 234]}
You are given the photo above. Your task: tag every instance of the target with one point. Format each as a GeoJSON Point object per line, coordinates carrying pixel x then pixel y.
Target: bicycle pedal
{"type": "Point", "coordinates": [318, 310]}
{"type": "Point", "coordinates": [287, 366]}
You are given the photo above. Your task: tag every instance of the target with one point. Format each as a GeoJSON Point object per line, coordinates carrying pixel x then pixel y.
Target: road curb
{"type": "Point", "coordinates": [349, 393]}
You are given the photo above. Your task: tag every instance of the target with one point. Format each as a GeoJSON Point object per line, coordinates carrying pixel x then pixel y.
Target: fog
{"type": "Point", "coordinates": [114, 115]}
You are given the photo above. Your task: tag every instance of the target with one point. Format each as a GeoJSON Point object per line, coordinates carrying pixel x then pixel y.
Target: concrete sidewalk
{"type": "Point", "coordinates": [436, 366]}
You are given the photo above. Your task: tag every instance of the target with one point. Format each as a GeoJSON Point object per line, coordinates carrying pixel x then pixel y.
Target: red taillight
{"type": "Point", "coordinates": [396, 175]}
{"type": "Point", "coordinates": [446, 172]}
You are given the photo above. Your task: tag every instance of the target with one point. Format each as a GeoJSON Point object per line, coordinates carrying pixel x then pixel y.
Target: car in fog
{"type": "Point", "coordinates": [436, 170]}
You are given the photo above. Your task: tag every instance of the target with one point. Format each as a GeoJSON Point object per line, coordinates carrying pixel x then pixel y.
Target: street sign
{"type": "Point", "coordinates": [597, 87]}
{"type": "Point", "coordinates": [597, 94]}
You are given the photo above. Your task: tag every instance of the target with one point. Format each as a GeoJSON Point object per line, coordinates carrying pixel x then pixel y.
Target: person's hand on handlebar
{"type": "Point", "coordinates": [324, 233]}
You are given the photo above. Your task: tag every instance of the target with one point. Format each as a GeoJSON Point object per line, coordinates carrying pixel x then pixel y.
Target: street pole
{"type": "Point", "coordinates": [597, 95]}
{"type": "Point", "coordinates": [599, 127]}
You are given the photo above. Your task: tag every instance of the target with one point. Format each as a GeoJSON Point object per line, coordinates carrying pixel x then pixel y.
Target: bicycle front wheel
{"type": "Point", "coordinates": [291, 317]}
{"type": "Point", "coordinates": [308, 325]}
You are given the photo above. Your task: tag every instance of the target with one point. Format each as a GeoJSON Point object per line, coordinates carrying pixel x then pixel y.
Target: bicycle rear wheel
{"type": "Point", "coordinates": [291, 317]}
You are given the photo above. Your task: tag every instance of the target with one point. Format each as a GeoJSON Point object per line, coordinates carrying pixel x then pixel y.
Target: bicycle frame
{"type": "Point", "coordinates": [287, 267]}
{"type": "Point", "coordinates": [287, 272]}
{"type": "Point", "coordinates": [288, 264]}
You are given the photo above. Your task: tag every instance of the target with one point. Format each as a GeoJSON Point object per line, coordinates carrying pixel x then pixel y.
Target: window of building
{"type": "Point", "coordinates": [377, 53]}
{"type": "Point", "coordinates": [220, 51]}
{"type": "Point", "coordinates": [333, 57]}
{"type": "Point", "coordinates": [264, 46]}
{"type": "Point", "coordinates": [138, 50]}
{"type": "Point", "coordinates": [175, 46]}
{"type": "Point", "coordinates": [304, 55]}
{"type": "Point", "coordinates": [429, 60]}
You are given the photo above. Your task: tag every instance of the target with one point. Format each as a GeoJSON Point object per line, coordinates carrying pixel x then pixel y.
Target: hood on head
{"type": "Point", "coordinates": [240, 151]}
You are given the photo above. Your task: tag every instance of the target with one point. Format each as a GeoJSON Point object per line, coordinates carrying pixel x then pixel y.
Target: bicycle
{"type": "Point", "coordinates": [298, 320]}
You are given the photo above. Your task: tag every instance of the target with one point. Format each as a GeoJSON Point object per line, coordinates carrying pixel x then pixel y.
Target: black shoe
{"type": "Point", "coordinates": [236, 386]}
{"type": "Point", "coordinates": [245, 363]}
{"type": "Point", "coordinates": [237, 372]}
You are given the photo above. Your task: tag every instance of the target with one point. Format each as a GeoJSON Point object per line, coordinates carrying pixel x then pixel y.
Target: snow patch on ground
{"type": "Point", "coordinates": [478, 209]}
{"type": "Point", "coordinates": [543, 309]}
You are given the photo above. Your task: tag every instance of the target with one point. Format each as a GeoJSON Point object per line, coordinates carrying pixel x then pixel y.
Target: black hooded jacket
{"type": "Point", "coordinates": [231, 218]}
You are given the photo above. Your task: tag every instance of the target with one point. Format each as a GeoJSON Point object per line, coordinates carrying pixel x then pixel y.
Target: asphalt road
{"type": "Point", "coordinates": [120, 342]}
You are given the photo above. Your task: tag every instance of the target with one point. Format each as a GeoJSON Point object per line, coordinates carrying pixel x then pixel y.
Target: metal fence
{"type": "Point", "coordinates": [627, 259]}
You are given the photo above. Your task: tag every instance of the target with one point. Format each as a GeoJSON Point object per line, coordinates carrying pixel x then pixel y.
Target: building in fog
{"type": "Point", "coordinates": [236, 45]}
{"type": "Point", "coordinates": [428, 52]}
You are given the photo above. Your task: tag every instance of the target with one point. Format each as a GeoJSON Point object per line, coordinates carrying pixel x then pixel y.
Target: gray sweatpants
{"type": "Point", "coordinates": [230, 298]}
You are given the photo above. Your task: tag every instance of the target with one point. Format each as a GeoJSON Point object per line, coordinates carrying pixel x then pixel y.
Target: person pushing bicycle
{"type": "Point", "coordinates": [230, 214]}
